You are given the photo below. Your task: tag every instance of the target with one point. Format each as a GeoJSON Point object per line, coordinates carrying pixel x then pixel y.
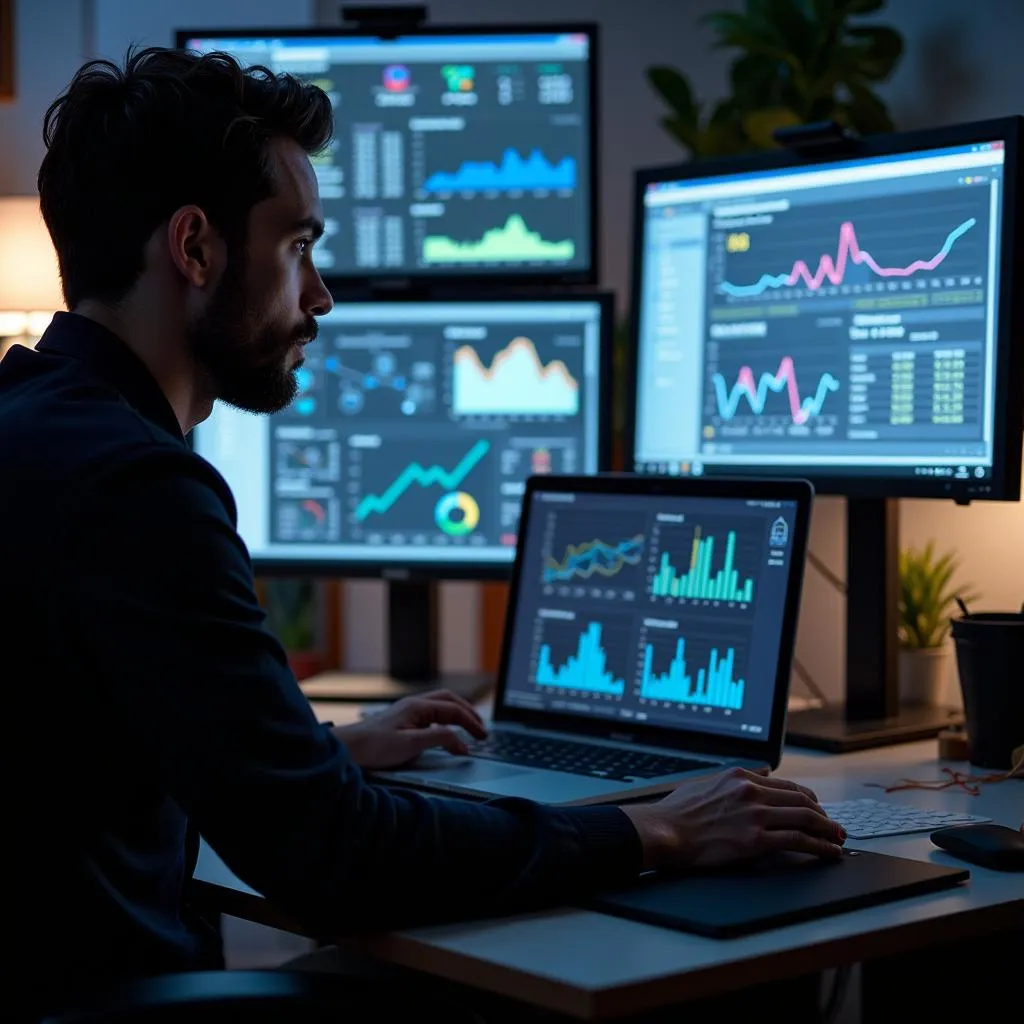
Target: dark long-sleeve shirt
{"type": "Point", "coordinates": [146, 701]}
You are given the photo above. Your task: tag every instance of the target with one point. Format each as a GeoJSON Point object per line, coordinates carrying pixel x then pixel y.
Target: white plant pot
{"type": "Point", "coordinates": [922, 672]}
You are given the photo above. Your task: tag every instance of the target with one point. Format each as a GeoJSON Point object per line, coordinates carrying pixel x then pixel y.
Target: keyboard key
{"type": "Point", "coordinates": [576, 758]}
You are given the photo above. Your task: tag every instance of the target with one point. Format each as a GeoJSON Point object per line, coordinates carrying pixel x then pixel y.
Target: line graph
{"type": "Point", "coordinates": [594, 556]}
{"type": "Point", "coordinates": [517, 382]}
{"type": "Point", "coordinates": [756, 392]}
{"type": "Point", "coordinates": [417, 475]}
{"type": "Point", "coordinates": [833, 271]}
{"type": "Point", "coordinates": [511, 173]}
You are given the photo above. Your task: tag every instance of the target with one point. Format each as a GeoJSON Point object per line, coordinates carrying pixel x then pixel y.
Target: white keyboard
{"type": "Point", "coordinates": [870, 819]}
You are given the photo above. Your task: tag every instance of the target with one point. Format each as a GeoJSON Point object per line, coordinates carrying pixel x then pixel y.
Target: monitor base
{"type": "Point", "coordinates": [828, 729]}
{"type": "Point", "coordinates": [374, 687]}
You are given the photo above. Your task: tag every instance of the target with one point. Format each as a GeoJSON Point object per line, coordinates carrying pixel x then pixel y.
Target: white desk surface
{"type": "Point", "coordinates": [591, 965]}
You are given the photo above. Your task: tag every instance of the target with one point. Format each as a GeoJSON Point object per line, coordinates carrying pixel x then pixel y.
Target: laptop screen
{"type": "Point", "coordinates": [656, 609]}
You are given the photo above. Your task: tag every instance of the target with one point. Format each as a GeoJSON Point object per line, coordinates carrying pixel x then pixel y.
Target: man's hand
{"type": "Point", "coordinates": [400, 733]}
{"type": "Point", "coordinates": [717, 819]}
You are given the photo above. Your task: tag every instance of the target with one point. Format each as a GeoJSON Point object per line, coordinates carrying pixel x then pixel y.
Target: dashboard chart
{"type": "Point", "coordinates": [574, 656]}
{"type": "Point", "coordinates": [415, 428]}
{"type": "Point", "coordinates": [455, 155]}
{"type": "Point", "coordinates": [705, 672]}
{"type": "Point", "coordinates": [847, 324]}
{"type": "Point", "coordinates": [515, 380]}
{"type": "Point", "coordinates": [659, 611]}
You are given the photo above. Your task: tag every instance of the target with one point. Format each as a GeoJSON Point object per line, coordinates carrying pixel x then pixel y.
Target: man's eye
{"type": "Point", "coordinates": [303, 244]}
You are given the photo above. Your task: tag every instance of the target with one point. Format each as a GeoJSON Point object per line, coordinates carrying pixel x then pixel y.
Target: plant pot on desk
{"type": "Point", "coordinates": [922, 674]}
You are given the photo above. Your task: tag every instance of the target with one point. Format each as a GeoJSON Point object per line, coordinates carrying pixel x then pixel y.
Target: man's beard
{"type": "Point", "coordinates": [246, 357]}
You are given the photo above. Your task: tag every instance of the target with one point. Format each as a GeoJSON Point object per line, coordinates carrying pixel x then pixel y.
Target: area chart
{"type": "Point", "coordinates": [513, 173]}
{"type": "Point", "coordinates": [513, 242]}
{"type": "Point", "coordinates": [515, 383]}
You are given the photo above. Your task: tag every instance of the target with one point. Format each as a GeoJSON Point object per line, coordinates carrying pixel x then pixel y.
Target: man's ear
{"type": "Point", "coordinates": [195, 246]}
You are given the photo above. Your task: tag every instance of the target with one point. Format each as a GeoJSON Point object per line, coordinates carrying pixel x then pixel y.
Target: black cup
{"type": "Point", "coordinates": [990, 663]}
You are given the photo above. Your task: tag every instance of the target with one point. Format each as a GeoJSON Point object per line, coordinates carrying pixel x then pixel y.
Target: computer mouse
{"type": "Point", "coordinates": [992, 846]}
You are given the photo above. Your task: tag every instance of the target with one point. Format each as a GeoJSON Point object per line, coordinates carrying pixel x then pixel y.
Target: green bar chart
{"type": "Point", "coordinates": [698, 580]}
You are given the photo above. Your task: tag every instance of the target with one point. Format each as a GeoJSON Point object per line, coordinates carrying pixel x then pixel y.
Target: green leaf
{"type": "Point", "coordinates": [866, 111]}
{"type": "Point", "coordinates": [675, 90]}
{"type": "Point", "coordinates": [755, 80]}
{"type": "Point", "coordinates": [791, 27]}
{"type": "Point", "coordinates": [741, 32]}
{"type": "Point", "coordinates": [682, 131]}
{"type": "Point", "coordinates": [874, 51]}
{"type": "Point", "coordinates": [760, 125]}
{"type": "Point", "coordinates": [927, 597]}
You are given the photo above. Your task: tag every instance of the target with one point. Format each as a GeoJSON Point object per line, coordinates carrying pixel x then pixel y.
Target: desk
{"type": "Point", "coordinates": [589, 965]}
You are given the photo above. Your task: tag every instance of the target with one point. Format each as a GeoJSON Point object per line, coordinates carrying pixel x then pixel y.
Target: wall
{"type": "Point", "coordinates": [49, 44]}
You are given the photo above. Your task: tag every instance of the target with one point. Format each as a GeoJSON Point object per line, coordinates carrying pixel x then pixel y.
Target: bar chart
{"type": "Point", "coordinates": [697, 580]}
{"type": "Point", "coordinates": [714, 684]}
{"type": "Point", "coordinates": [586, 669]}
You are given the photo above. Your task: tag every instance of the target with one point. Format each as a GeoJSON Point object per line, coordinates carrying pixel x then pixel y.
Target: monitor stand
{"type": "Point", "coordinates": [412, 656]}
{"type": "Point", "coordinates": [871, 716]}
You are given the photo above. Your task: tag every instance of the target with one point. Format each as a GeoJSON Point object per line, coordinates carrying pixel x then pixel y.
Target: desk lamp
{"type": "Point", "coordinates": [29, 278]}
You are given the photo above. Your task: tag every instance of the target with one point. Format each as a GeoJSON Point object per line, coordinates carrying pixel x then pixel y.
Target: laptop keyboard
{"type": "Point", "coordinates": [614, 763]}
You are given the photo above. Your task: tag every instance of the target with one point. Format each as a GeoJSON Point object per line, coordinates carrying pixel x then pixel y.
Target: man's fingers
{"type": "Point", "coordinates": [444, 712]}
{"type": "Point", "coordinates": [804, 819]}
{"type": "Point", "coordinates": [795, 841]}
{"type": "Point", "coordinates": [791, 798]}
{"type": "Point", "coordinates": [437, 712]}
{"type": "Point", "coordinates": [453, 698]}
{"type": "Point", "coordinates": [438, 736]}
{"type": "Point", "coordinates": [774, 782]}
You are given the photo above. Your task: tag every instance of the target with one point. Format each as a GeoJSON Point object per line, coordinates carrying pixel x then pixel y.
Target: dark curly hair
{"type": "Point", "coordinates": [126, 147]}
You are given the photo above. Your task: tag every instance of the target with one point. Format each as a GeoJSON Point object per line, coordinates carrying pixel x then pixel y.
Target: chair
{"type": "Point", "coordinates": [246, 997]}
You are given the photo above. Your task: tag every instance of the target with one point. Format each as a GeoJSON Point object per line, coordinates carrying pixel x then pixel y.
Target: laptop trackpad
{"type": "Point", "coordinates": [437, 767]}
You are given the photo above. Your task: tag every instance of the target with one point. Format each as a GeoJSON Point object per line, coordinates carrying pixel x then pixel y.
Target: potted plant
{"type": "Point", "coordinates": [927, 598]}
{"type": "Point", "coordinates": [799, 62]}
{"type": "Point", "coordinates": [292, 607]}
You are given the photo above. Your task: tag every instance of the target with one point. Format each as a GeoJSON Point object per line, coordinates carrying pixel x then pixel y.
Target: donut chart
{"type": "Point", "coordinates": [457, 513]}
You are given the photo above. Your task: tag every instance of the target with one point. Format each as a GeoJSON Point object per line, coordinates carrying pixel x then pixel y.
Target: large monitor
{"type": "Point", "coordinates": [846, 310]}
{"type": "Point", "coordinates": [855, 319]}
{"type": "Point", "coordinates": [415, 428]}
{"type": "Point", "coordinates": [458, 152]}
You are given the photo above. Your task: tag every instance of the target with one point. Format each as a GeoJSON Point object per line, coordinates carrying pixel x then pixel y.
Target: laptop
{"type": "Point", "coordinates": [649, 635]}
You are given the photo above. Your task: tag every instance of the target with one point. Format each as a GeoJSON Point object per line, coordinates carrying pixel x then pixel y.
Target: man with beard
{"type": "Point", "coordinates": [146, 701]}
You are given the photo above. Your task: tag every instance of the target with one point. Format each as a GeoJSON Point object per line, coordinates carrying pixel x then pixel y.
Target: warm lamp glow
{"type": "Point", "coordinates": [29, 278]}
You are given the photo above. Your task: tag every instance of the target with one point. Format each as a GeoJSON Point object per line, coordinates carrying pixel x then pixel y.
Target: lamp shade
{"type": "Point", "coordinates": [29, 276]}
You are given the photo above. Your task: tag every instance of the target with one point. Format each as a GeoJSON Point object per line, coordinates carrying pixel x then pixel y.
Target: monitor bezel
{"type": "Point", "coordinates": [440, 569]}
{"type": "Point", "coordinates": [388, 281]}
{"type": "Point", "coordinates": [768, 748]}
{"type": "Point", "coordinates": [1005, 482]}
